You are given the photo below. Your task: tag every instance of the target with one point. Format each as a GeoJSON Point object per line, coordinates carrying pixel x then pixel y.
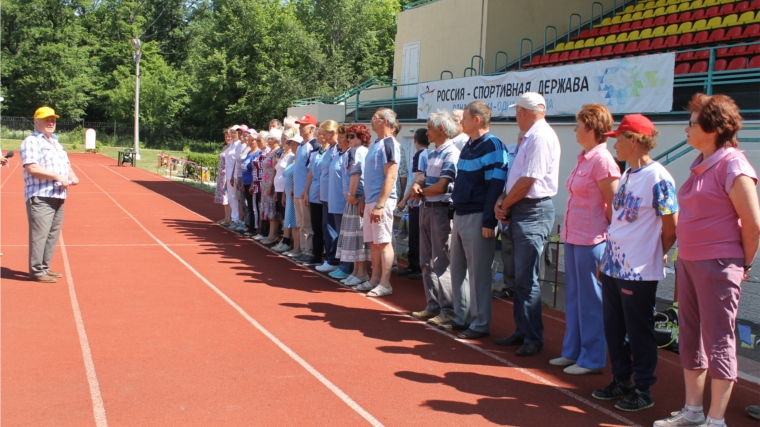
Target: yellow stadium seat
{"type": "Point", "coordinates": [671, 9]}
{"type": "Point", "coordinates": [699, 25]}
{"type": "Point", "coordinates": [696, 4]}
{"type": "Point", "coordinates": [622, 37]}
{"type": "Point", "coordinates": [649, 13]}
{"type": "Point", "coordinates": [605, 22]}
{"type": "Point", "coordinates": [662, 3]}
{"type": "Point", "coordinates": [569, 45]}
{"type": "Point", "coordinates": [708, 3]}
{"type": "Point", "coordinates": [629, 9]}
{"type": "Point", "coordinates": [671, 29]}
{"type": "Point", "coordinates": [684, 28]}
{"type": "Point", "coordinates": [714, 23]}
{"type": "Point", "coordinates": [617, 20]}
{"type": "Point", "coordinates": [611, 39]}
{"type": "Point", "coordinates": [651, 5]}
{"type": "Point", "coordinates": [658, 32]}
{"type": "Point", "coordinates": [559, 48]}
{"type": "Point", "coordinates": [627, 18]}
{"type": "Point", "coordinates": [588, 43]}
{"type": "Point", "coordinates": [683, 7]}
{"type": "Point", "coordinates": [730, 20]}
{"type": "Point", "coordinates": [638, 16]}
{"type": "Point", "coordinates": [727, 1]}
{"type": "Point", "coordinates": [633, 36]}
{"type": "Point", "coordinates": [756, 20]}
{"type": "Point", "coordinates": [674, 2]}
{"type": "Point", "coordinates": [640, 7]}
{"type": "Point", "coordinates": [746, 17]}
{"type": "Point", "coordinates": [579, 44]}
{"type": "Point", "coordinates": [646, 33]}
{"type": "Point", "coordinates": [660, 11]}
{"type": "Point", "coordinates": [600, 41]}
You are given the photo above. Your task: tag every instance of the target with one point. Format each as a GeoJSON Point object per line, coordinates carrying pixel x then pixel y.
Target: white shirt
{"type": "Point", "coordinates": [279, 180]}
{"type": "Point", "coordinates": [243, 152]}
{"type": "Point", "coordinates": [537, 157]}
{"type": "Point", "coordinates": [634, 242]}
{"type": "Point", "coordinates": [231, 158]}
{"type": "Point", "coordinates": [460, 140]}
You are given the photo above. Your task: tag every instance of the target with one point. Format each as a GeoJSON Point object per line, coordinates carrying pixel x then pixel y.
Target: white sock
{"type": "Point", "coordinates": [720, 422]}
{"type": "Point", "coordinates": [694, 413]}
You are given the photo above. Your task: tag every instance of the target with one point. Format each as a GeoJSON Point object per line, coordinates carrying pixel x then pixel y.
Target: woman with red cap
{"type": "Point", "coordinates": [642, 230]}
{"type": "Point", "coordinates": [719, 235]}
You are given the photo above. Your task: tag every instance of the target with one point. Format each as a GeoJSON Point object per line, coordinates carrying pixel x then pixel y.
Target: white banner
{"type": "Point", "coordinates": [627, 85]}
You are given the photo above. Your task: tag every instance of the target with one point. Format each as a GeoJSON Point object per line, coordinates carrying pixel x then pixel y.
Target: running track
{"type": "Point", "coordinates": [166, 319]}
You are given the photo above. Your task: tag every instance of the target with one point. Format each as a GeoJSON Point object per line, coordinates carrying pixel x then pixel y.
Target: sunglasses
{"type": "Point", "coordinates": [351, 136]}
{"type": "Point", "coordinates": [692, 124]}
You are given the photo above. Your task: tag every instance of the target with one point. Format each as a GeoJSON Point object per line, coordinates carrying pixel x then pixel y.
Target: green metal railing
{"type": "Point", "coordinates": [416, 4]}
{"type": "Point", "coordinates": [681, 149]}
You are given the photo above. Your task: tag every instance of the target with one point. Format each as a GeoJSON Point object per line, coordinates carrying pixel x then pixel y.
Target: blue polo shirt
{"type": "Point", "coordinates": [382, 151]}
{"type": "Point", "coordinates": [335, 200]}
{"type": "Point", "coordinates": [481, 174]}
{"type": "Point", "coordinates": [417, 165]}
{"type": "Point", "coordinates": [304, 153]}
{"type": "Point", "coordinates": [324, 173]}
{"type": "Point", "coordinates": [316, 167]}
{"type": "Point", "coordinates": [355, 166]}
{"type": "Point", "coordinates": [248, 167]}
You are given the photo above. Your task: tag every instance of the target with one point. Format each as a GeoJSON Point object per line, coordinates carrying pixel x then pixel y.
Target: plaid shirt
{"type": "Point", "coordinates": [49, 154]}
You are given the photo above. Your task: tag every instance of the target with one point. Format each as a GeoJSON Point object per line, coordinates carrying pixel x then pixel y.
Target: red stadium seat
{"type": "Point", "coordinates": [753, 49]}
{"type": "Point", "coordinates": [620, 49]}
{"type": "Point", "coordinates": [684, 17]}
{"type": "Point", "coordinates": [727, 9]}
{"type": "Point", "coordinates": [583, 35]}
{"type": "Point", "coordinates": [545, 59]}
{"type": "Point", "coordinates": [672, 19]}
{"type": "Point", "coordinates": [717, 35]}
{"type": "Point", "coordinates": [671, 42]}
{"type": "Point", "coordinates": [686, 40]}
{"type": "Point", "coordinates": [604, 31]}
{"type": "Point", "coordinates": [696, 16]}
{"type": "Point", "coordinates": [737, 51]}
{"type": "Point", "coordinates": [632, 47]}
{"type": "Point", "coordinates": [734, 33]}
{"type": "Point", "coordinates": [686, 56]}
{"type": "Point", "coordinates": [751, 31]}
{"type": "Point", "coordinates": [699, 67]}
{"type": "Point", "coordinates": [701, 37]}
{"type": "Point", "coordinates": [614, 29]}
{"type": "Point", "coordinates": [755, 5]}
{"type": "Point", "coordinates": [720, 65]}
{"type": "Point", "coordinates": [660, 21]}
{"type": "Point", "coordinates": [738, 64]}
{"type": "Point", "coordinates": [595, 53]}
{"type": "Point", "coordinates": [625, 27]}
{"type": "Point", "coordinates": [712, 12]}
{"type": "Point", "coordinates": [554, 58]}
{"type": "Point", "coordinates": [754, 62]}
{"type": "Point", "coordinates": [637, 25]}
{"type": "Point", "coordinates": [702, 54]}
{"type": "Point", "coordinates": [563, 56]}
{"type": "Point", "coordinates": [607, 51]}
{"type": "Point", "coordinates": [645, 45]}
{"type": "Point", "coordinates": [648, 23]}
{"type": "Point", "coordinates": [585, 53]}
{"type": "Point", "coordinates": [574, 55]}
{"type": "Point", "coordinates": [534, 62]}
{"type": "Point", "coordinates": [594, 32]}
{"type": "Point", "coordinates": [658, 43]}
{"type": "Point", "coordinates": [682, 68]}
{"type": "Point", "coordinates": [742, 7]}
{"type": "Point", "coordinates": [721, 52]}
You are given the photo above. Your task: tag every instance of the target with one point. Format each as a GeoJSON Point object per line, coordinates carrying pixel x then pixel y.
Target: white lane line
{"type": "Point", "coordinates": [97, 400]}
{"type": "Point", "coordinates": [9, 175]}
{"type": "Point", "coordinates": [468, 344]}
{"type": "Point", "coordinates": [293, 355]}
{"type": "Point", "coordinates": [105, 245]}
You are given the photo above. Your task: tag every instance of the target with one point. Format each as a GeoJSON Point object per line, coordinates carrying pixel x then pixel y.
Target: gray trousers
{"type": "Point", "coordinates": [506, 261]}
{"type": "Point", "coordinates": [471, 254]}
{"type": "Point", "coordinates": [45, 215]}
{"type": "Point", "coordinates": [435, 238]}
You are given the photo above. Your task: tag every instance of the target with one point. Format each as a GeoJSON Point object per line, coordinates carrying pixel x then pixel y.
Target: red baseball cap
{"type": "Point", "coordinates": [307, 119]}
{"type": "Point", "coordinates": [635, 123]}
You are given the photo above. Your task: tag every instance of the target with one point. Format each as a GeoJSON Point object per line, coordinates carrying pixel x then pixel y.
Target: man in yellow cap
{"type": "Point", "coordinates": [47, 175]}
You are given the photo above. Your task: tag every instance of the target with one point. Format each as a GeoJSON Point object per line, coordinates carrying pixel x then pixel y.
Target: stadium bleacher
{"type": "Point", "coordinates": [683, 26]}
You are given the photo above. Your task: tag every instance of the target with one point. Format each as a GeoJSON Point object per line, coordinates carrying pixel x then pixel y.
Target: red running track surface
{"type": "Point", "coordinates": [185, 323]}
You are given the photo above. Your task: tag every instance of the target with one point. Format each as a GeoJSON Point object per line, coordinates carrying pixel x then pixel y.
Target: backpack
{"type": "Point", "coordinates": [666, 328]}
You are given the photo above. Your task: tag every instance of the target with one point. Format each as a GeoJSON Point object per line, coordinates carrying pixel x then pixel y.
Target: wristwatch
{"type": "Point", "coordinates": [379, 207]}
{"type": "Point", "coordinates": [748, 267]}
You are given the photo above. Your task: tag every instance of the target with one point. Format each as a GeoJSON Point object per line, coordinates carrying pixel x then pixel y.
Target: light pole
{"type": "Point", "coordinates": [136, 55]}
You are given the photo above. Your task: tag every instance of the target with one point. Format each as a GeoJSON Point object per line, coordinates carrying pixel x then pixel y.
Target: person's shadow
{"type": "Point", "coordinates": [8, 274]}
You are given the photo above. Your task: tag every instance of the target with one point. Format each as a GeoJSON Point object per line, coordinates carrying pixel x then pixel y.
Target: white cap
{"type": "Point", "coordinates": [531, 101]}
{"type": "Point", "coordinates": [236, 127]}
{"type": "Point", "coordinates": [297, 138]}
{"type": "Point", "coordinates": [275, 133]}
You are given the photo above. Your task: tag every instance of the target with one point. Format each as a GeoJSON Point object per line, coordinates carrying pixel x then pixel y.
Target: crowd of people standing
{"type": "Point", "coordinates": [332, 190]}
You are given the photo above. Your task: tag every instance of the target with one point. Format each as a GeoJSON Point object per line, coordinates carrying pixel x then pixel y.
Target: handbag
{"type": "Point", "coordinates": [666, 328]}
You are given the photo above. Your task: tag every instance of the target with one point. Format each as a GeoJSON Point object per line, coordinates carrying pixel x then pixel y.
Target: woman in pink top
{"type": "Point", "coordinates": [591, 186]}
{"type": "Point", "coordinates": [718, 236]}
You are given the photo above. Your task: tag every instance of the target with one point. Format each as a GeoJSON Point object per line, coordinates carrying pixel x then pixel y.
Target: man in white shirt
{"type": "Point", "coordinates": [231, 155]}
{"type": "Point", "coordinates": [527, 206]}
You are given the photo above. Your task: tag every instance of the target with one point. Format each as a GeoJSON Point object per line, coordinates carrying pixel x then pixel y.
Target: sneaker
{"type": "Point", "coordinates": [424, 314]}
{"type": "Point", "coordinates": [259, 237]}
{"type": "Point", "coordinates": [678, 418]}
{"type": "Point", "coordinates": [754, 411]}
{"type": "Point", "coordinates": [327, 268]}
{"type": "Point", "coordinates": [338, 274]}
{"type": "Point", "coordinates": [616, 390]}
{"type": "Point", "coordinates": [301, 257]}
{"type": "Point", "coordinates": [709, 423]}
{"type": "Point", "coordinates": [562, 361]}
{"type": "Point", "coordinates": [352, 281]}
{"type": "Point", "coordinates": [579, 370]}
{"type": "Point", "coordinates": [294, 253]}
{"type": "Point", "coordinates": [312, 260]}
{"type": "Point", "coordinates": [636, 401]}
{"type": "Point", "coordinates": [441, 319]}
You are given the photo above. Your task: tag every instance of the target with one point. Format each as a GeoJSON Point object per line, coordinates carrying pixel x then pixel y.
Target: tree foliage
{"type": "Point", "coordinates": [205, 62]}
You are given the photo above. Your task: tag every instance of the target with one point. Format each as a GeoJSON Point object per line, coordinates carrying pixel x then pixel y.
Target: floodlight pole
{"type": "Point", "coordinates": [136, 55]}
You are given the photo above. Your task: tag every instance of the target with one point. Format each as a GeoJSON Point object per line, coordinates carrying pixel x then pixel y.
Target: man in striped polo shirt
{"type": "Point", "coordinates": [481, 173]}
{"type": "Point", "coordinates": [47, 175]}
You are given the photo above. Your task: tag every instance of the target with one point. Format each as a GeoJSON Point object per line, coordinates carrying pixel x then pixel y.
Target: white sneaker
{"type": "Point", "coordinates": [578, 370]}
{"type": "Point", "coordinates": [352, 281]}
{"type": "Point", "coordinates": [678, 418]}
{"type": "Point", "coordinates": [562, 361]}
{"type": "Point", "coordinates": [326, 268]}
{"type": "Point", "coordinates": [259, 237]}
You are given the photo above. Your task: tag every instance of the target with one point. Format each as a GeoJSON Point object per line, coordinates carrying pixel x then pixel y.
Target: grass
{"type": "Point", "coordinates": [148, 159]}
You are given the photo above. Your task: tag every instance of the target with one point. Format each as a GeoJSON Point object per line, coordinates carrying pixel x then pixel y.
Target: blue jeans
{"type": "Point", "coordinates": [530, 226]}
{"type": "Point", "coordinates": [584, 314]}
{"type": "Point", "coordinates": [346, 267]}
{"type": "Point", "coordinates": [331, 235]}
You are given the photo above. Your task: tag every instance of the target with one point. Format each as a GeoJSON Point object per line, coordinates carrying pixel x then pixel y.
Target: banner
{"type": "Point", "coordinates": [641, 84]}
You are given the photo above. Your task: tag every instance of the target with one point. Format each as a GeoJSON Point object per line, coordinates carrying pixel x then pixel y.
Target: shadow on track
{"type": "Point", "coordinates": [8, 274]}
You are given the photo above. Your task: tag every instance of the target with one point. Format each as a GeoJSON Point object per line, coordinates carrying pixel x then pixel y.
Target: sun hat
{"type": "Point", "coordinates": [275, 133]}
{"type": "Point", "coordinates": [635, 123]}
{"type": "Point", "coordinates": [45, 112]}
{"type": "Point", "coordinates": [290, 133]}
{"type": "Point", "coordinates": [243, 128]}
{"type": "Point", "coordinates": [530, 101]}
{"type": "Point", "coordinates": [297, 138]}
{"type": "Point", "coordinates": [307, 119]}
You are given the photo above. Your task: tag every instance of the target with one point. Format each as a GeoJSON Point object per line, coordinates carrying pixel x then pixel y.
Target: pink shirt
{"type": "Point", "coordinates": [586, 215]}
{"type": "Point", "coordinates": [708, 225]}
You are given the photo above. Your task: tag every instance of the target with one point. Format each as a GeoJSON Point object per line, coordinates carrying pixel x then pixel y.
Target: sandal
{"type": "Point", "coordinates": [379, 291]}
{"type": "Point", "coordinates": [366, 286]}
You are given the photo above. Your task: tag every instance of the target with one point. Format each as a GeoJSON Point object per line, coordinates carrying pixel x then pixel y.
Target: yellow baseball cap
{"type": "Point", "coordinates": [45, 112]}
